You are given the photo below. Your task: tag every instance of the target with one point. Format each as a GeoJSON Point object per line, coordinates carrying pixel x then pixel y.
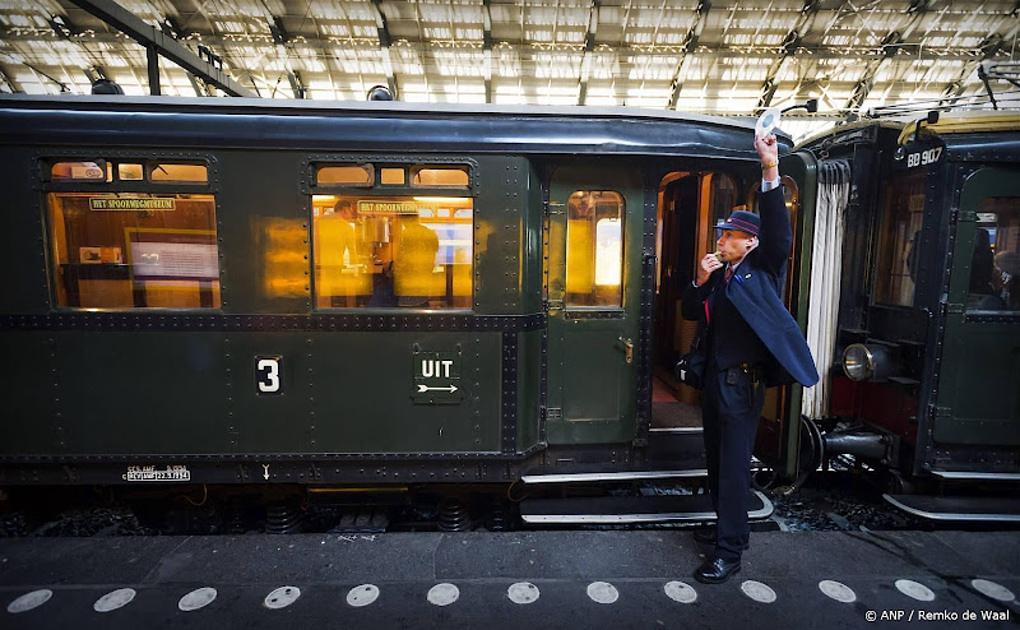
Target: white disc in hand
{"type": "Point", "coordinates": [768, 121]}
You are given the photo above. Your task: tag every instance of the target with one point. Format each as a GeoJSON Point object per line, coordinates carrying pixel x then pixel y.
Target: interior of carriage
{"type": "Point", "coordinates": [689, 204]}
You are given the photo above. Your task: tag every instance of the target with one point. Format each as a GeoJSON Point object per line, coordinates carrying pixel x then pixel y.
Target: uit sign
{"type": "Point", "coordinates": [436, 378]}
{"type": "Point", "coordinates": [131, 203]}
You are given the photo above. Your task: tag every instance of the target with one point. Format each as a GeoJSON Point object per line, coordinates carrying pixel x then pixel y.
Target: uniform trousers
{"type": "Point", "coordinates": [732, 400]}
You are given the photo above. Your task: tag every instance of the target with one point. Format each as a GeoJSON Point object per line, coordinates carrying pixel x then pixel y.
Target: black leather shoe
{"type": "Point", "coordinates": [716, 570]}
{"type": "Point", "coordinates": [705, 535]}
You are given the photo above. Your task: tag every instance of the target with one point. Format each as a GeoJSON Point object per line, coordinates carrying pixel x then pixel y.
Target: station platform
{"type": "Point", "coordinates": [528, 579]}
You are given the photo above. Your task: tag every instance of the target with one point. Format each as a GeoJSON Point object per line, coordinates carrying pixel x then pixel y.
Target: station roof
{"type": "Point", "coordinates": [728, 58]}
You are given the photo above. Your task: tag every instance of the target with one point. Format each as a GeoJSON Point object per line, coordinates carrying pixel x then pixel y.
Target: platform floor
{"type": "Point", "coordinates": [566, 569]}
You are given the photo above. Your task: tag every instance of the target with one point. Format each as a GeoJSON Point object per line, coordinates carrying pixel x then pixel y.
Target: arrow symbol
{"type": "Point", "coordinates": [425, 388]}
{"type": "Point", "coordinates": [265, 471]}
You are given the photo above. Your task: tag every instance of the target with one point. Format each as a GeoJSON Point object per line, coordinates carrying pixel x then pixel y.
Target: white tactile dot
{"type": "Point", "coordinates": [28, 601]}
{"type": "Point", "coordinates": [362, 595]}
{"type": "Point", "coordinates": [680, 592]}
{"type": "Point", "coordinates": [915, 590]}
{"type": "Point", "coordinates": [522, 593]}
{"type": "Point", "coordinates": [281, 597]}
{"type": "Point", "coordinates": [758, 591]}
{"type": "Point", "coordinates": [603, 592]}
{"type": "Point", "coordinates": [993, 590]}
{"type": "Point", "coordinates": [443, 594]}
{"type": "Point", "coordinates": [114, 600]}
{"type": "Point", "coordinates": [837, 591]}
{"type": "Point", "coordinates": [198, 598]}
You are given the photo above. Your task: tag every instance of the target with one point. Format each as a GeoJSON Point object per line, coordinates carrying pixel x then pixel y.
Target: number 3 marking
{"type": "Point", "coordinates": [271, 384]}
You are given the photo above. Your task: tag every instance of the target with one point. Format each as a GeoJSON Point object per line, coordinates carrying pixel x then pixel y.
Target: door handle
{"type": "Point", "coordinates": [628, 349]}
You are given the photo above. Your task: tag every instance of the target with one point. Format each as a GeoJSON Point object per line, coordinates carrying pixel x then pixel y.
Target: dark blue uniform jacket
{"type": "Point", "coordinates": [756, 292]}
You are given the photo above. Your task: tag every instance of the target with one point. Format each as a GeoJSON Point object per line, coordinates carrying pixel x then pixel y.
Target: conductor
{"type": "Point", "coordinates": [752, 342]}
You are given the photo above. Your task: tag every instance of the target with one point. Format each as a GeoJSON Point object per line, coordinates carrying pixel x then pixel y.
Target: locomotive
{"type": "Point", "coordinates": [390, 298]}
{"type": "Point", "coordinates": [916, 306]}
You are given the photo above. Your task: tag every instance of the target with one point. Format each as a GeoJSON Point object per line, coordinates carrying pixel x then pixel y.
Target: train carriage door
{"type": "Point", "coordinates": [593, 275]}
{"type": "Point", "coordinates": [978, 402]}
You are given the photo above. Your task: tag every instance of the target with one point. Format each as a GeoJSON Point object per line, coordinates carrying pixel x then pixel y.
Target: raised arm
{"type": "Point", "coordinates": [776, 237]}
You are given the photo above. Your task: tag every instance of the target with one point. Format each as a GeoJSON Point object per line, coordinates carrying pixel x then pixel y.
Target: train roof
{"type": "Point", "coordinates": [967, 135]}
{"type": "Point", "coordinates": [156, 121]}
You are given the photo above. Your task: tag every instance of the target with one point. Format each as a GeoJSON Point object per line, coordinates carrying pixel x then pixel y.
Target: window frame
{"type": "Point", "coordinates": [884, 221]}
{"type": "Point", "coordinates": [977, 312]}
{"type": "Point", "coordinates": [410, 164]}
{"type": "Point", "coordinates": [620, 307]}
{"type": "Point", "coordinates": [44, 162]}
{"type": "Point", "coordinates": [149, 166]}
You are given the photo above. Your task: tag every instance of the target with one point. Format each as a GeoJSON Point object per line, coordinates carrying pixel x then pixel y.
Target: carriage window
{"type": "Point", "coordinates": [723, 200]}
{"type": "Point", "coordinates": [441, 177]}
{"type": "Point", "coordinates": [179, 173]}
{"type": "Point", "coordinates": [595, 248]}
{"type": "Point", "coordinates": [133, 250]}
{"type": "Point", "coordinates": [402, 252]}
{"type": "Point", "coordinates": [900, 240]}
{"type": "Point", "coordinates": [92, 171]}
{"type": "Point", "coordinates": [345, 175]}
{"type": "Point", "coordinates": [130, 172]}
{"type": "Point", "coordinates": [392, 176]}
{"type": "Point", "coordinates": [995, 262]}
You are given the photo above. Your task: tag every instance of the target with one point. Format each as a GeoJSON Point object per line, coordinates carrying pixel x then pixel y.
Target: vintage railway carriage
{"type": "Point", "coordinates": [232, 291]}
{"type": "Point", "coordinates": [915, 306]}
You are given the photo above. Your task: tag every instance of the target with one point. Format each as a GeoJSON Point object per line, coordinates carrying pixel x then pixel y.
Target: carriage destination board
{"type": "Point", "coordinates": [436, 378]}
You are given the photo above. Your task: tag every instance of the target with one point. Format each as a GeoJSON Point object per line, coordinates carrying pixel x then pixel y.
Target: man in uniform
{"type": "Point", "coordinates": [752, 342]}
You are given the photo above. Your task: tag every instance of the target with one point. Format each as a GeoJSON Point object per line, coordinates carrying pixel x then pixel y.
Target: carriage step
{"type": "Point", "coordinates": [973, 475]}
{"type": "Point", "coordinates": [622, 510]}
{"type": "Point", "coordinates": [670, 445]}
{"type": "Point", "coordinates": [940, 508]}
{"type": "Point", "coordinates": [592, 475]}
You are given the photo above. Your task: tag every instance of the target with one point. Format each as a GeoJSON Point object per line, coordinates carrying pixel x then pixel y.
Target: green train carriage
{"type": "Point", "coordinates": [232, 292]}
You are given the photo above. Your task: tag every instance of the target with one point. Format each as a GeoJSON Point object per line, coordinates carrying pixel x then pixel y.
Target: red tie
{"type": "Point", "coordinates": [729, 274]}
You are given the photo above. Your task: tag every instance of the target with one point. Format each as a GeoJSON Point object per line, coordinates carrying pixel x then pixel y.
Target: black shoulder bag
{"type": "Point", "coordinates": [690, 369]}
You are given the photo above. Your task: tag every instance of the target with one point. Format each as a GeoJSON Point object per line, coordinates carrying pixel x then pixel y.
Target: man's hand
{"type": "Point", "coordinates": [707, 265]}
{"type": "Point", "coordinates": [768, 151]}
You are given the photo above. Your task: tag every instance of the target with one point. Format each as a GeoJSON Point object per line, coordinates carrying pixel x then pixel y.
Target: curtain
{"type": "Point", "coordinates": [826, 265]}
